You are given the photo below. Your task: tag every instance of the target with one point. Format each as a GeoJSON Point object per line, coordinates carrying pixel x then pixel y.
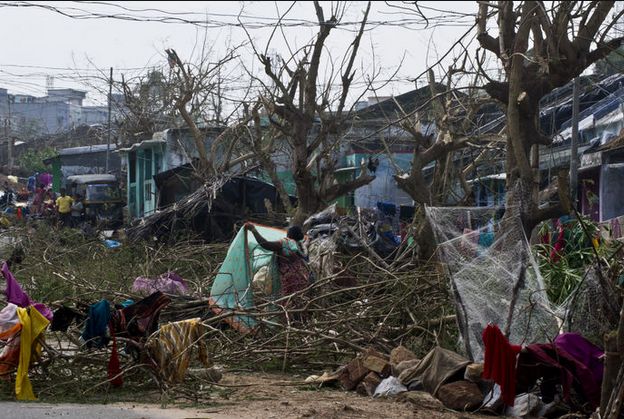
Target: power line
{"type": "Point", "coordinates": [43, 67]}
{"type": "Point", "coordinates": [449, 19]}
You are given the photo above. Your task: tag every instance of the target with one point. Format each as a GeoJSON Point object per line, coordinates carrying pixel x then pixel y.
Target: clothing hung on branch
{"type": "Point", "coordinates": [17, 296]}
{"type": "Point", "coordinates": [171, 348]}
{"type": "Point", "coordinates": [94, 333]}
{"type": "Point", "coordinates": [33, 325]}
{"type": "Point", "coordinates": [10, 328]}
{"type": "Point", "coordinates": [139, 320]}
{"type": "Point", "coordinates": [554, 365]}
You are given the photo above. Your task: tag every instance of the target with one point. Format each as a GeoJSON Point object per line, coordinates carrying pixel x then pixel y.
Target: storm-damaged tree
{"type": "Point", "coordinates": [540, 46]}
{"type": "Point", "coordinates": [196, 89]}
{"type": "Point", "coordinates": [147, 105]}
{"type": "Point", "coordinates": [447, 147]}
{"type": "Point", "coordinates": [188, 94]}
{"type": "Point", "coordinates": [308, 115]}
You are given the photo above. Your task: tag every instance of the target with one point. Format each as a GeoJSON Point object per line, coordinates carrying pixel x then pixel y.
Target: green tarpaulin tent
{"type": "Point", "coordinates": [231, 289]}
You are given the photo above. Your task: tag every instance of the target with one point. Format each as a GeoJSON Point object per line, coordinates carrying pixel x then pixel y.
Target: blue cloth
{"type": "Point", "coordinates": [94, 333]}
{"type": "Point", "coordinates": [392, 238]}
{"type": "Point", "coordinates": [486, 238]}
{"type": "Point", "coordinates": [111, 244]}
{"type": "Point", "coordinates": [127, 303]}
{"type": "Point", "coordinates": [32, 182]}
{"type": "Point", "coordinates": [231, 288]}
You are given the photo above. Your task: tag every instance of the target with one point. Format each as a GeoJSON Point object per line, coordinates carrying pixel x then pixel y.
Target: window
{"type": "Point", "coordinates": [102, 192]}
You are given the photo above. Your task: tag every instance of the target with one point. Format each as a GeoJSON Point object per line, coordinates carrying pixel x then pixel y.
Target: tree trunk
{"type": "Point", "coordinates": [307, 199]}
{"type": "Point", "coordinates": [269, 167]}
{"type": "Point", "coordinates": [611, 368]}
{"type": "Point", "coordinates": [424, 236]}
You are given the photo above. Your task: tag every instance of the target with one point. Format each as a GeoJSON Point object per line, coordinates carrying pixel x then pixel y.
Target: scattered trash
{"type": "Point", "coordinates": [436, 368]}
{"type": "Point", "coordinates": [325, 378]}
{"type": "Point", "coordinates": [391, 386]}
{"type": "Point", "coordinates": [526, 404]}
{"type": "Point", "coordinates": [111, 244]}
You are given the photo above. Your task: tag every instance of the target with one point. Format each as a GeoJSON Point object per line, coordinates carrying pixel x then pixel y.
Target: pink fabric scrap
{"type": "Point", "coordinates": [168, 283]}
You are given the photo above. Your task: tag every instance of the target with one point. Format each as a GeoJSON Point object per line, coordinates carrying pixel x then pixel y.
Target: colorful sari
{"type": "Point", "coordinates": [292, 267]}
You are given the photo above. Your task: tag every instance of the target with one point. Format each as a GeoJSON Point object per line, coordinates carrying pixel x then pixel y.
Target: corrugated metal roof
{"type": "Point", "coordinates": [99, 148]}
{"type": "Point", "coordinates": [142, 144]}
{"type": "Point", "coordinates": [92, 178]}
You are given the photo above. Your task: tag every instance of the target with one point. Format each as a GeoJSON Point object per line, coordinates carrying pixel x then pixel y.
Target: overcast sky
{"type": "Point", "coordinates": [37, 42]}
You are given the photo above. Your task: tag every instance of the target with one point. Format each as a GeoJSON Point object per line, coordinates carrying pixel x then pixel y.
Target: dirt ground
{"type": "Point", "coordinates": [257, 395]}
{"type": "Point", "coordinates": [248, 395]}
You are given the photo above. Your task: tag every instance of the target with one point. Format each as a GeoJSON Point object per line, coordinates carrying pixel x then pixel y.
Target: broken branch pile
{"type": "Point", "coordinates": [356, 305]}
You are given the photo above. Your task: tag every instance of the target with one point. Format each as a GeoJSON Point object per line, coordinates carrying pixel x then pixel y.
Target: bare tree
{"type": "Point", "coordinates": [445, 156]}
{"type": "Point", "coordinates": [540, 46]}
{"type": "Point", "coordinates": [308, 115]}
{"type": "Point", "coordinates": [453, 114]}
{"type": "Point", "coordinates": [195, 87]}
{"type": "Point", "coordinates": [148, 105]}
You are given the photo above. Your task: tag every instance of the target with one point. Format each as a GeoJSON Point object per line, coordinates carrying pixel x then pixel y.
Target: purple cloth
{"type": "Point", "coordinates": [14, 292]}
{"type": "Point", "coordinates": [17, 296]}
{"type": "Point", "coordinates": [584, 352]}
{"type": "Point", "coordinates": [168, 283]}
{"type": "Point", "coordinates": [45, 179]}
{"type": "Point", "coordinates": [555, 366]}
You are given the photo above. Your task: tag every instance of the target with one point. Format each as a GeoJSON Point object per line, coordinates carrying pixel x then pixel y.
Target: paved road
{"type": "Point", "coordinates": [17, 410]}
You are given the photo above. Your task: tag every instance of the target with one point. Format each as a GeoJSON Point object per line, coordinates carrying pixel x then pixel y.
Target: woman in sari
{"type": "Point", "coordinates": [291, 260]}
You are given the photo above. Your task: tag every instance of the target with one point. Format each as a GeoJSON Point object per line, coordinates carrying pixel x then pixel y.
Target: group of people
{"type": "Point", "coordinates": [43, 202]}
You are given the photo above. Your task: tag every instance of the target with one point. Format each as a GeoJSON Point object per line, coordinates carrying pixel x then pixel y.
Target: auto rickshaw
{"type": "Point", "coordinates": [102, 201]}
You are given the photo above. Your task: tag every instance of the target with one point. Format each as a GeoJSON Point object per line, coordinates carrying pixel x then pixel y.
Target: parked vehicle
{"type": "Point", "coordinates": [101, 195]}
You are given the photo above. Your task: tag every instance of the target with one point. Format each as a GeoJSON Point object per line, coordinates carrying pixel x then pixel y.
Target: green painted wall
{"type": "Point", "coordinates": [56, 175]}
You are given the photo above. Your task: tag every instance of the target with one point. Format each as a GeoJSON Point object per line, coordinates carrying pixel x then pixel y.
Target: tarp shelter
{"type": "Point", "coordinates": [211, 210]}
{"type": "Point", "coordinates": [494, 276]}
{"type": "Point", "coordinates": [231, 290]}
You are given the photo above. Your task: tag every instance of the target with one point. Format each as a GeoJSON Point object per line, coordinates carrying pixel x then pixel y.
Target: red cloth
{"type": "Point", "coordinates": [114, 367]}
{"type": "Point", "coordinates": [557, 251]}
{"type": "Point", "coordinates": [500, 362]}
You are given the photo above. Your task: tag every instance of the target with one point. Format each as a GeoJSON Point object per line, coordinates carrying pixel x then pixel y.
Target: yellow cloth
{"type": "Point", "coordinates": [171, 348]}
{"type": "Point", "coordinates": [33, 324]}
{"type": "Point", "coordinates": [63, 203]}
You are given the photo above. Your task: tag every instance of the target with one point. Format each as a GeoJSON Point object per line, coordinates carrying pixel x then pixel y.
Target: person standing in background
{"type": "Point", "coordinates": [63, 208]}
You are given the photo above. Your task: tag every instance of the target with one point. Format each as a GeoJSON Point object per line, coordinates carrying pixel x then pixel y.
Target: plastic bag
{"type": "Point", "coordinates": [111, 244]}
{"type": "Point", "coordinates": [390, 386]}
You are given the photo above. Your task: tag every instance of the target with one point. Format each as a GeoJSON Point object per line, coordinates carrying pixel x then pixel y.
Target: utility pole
{"type": "Point", "coordinates": [574, 144]}
{"type": "Point", "coordinates": [110, 97]}
{"type": "Point", "coordinates": [9, 137]}
{"type": "Point", "coordinates": [6, 137]}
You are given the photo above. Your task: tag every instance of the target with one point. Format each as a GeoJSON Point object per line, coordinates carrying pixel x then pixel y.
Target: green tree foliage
{"type": "Point", "coordinates": [32, 159]}
{"type": "Point", "coordinates": [563, 268]}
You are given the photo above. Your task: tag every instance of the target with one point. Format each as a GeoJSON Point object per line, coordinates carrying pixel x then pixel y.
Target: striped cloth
{"type": "Point", "coordinates": [171, 348]}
